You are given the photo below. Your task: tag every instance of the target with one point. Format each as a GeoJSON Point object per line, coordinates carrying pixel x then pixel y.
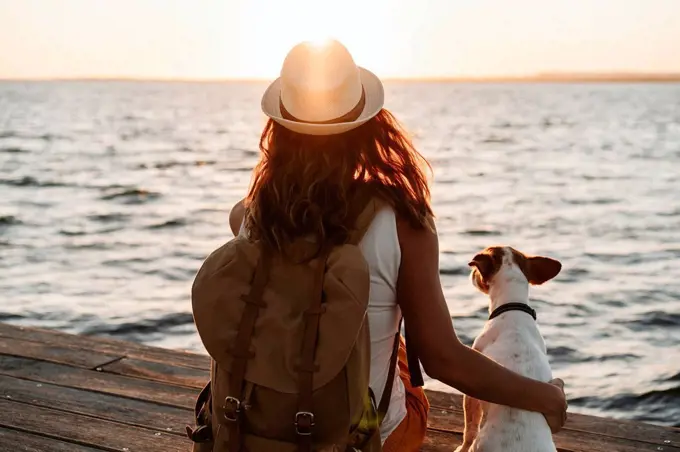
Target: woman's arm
{"type": "Point", "coordinates": [443, 356]}
{"type": "Point", "coordinates": [236, 217]}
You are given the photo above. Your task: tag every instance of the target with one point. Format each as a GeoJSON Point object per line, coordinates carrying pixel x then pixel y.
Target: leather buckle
{"type": "Point", "coordinates": [304, 422]}
{"type": "Point", "coordinates": [232, 408]}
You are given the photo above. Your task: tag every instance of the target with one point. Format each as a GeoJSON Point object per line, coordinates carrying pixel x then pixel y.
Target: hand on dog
{"type": "Point", "coordinates": [558, 417]}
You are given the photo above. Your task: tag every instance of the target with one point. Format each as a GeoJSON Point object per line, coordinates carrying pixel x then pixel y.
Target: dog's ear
{"type": "Point", "coordinates": [484, 263]}
{"type": "Point", "coordinates": [540, 269]}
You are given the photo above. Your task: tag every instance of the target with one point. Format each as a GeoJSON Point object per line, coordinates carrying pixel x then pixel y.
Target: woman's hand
{"type": "Point", "coordinates": [558, 416]}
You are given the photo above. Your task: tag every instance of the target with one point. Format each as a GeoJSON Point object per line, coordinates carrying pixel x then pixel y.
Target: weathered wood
{"type": "Point", "coordinates": [450, 404]}
{"type": "Point", "coordinates": [47, 352]}
{"type": "Point", "coordinates": [567, 439]}
{"type": "Point", "coordinates": [163, 372]}
{"type": "Point", "coordinates": [86, 430]}
{"type": "Point", "coordinates": [13, 441]}
{"type": "Point", "coordinates": [437, 441]}
{"type": "Point", "coordinates": [637, 431]}
{"type": "Point", "coordinates": [105, 345]}
{"type": "Point", "coordinates": [56, 396]}
{"type": "Point", "coordinates": [590, 442]}
{"type": "Point", "coordinates": [73, 377]}
{"type": "Point", "coordinates": [103, 406]}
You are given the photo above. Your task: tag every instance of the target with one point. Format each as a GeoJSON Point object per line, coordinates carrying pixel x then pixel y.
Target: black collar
{"type": "Point", "coordinates": [512, 307]}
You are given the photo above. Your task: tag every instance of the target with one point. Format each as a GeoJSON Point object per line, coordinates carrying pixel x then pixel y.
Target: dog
{"type": "Point", "coordinates": [511, 338]}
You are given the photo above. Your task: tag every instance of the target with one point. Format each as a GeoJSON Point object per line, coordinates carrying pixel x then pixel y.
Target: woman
{"type": "Point", "coordinates": [328, 138]}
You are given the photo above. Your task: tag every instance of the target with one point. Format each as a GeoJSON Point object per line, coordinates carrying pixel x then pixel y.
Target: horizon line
{"type": "Point", "coordinates": [538, 77]}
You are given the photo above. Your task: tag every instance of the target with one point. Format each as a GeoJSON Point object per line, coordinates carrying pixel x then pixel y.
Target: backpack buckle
{"type": "Point", "coordinates": [232, 408]}
{"type": "Point", "coordinates": [304, 421]}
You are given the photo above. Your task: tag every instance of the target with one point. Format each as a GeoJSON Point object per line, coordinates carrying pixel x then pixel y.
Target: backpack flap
{"type": "Point", "coordinates": [224, 280]}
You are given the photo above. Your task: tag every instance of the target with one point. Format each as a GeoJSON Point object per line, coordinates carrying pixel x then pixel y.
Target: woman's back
{"type": "Point", "coordinates": [380, 248]}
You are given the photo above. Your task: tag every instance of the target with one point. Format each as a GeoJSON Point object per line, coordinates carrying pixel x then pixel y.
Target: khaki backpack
{"type": "Point", "coordinates": [289, 341]}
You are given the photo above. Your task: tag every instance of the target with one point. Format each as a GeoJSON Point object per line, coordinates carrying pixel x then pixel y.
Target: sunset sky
{"type": "Point", "coordinates": [204, 39]}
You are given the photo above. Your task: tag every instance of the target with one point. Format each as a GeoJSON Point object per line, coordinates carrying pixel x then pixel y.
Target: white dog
{"type": "Point", "coordinates": [511, 338]}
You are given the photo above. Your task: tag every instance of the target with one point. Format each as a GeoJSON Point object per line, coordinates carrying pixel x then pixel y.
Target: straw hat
{"type": "Point", "coordinates": [321, 91]}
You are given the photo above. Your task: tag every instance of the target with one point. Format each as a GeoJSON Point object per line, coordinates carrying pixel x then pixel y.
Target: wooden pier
{"type": "Point", "coordinates": [66, 393]}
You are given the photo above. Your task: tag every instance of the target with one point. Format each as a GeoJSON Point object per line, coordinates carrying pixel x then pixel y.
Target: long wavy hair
{"type": "Point", "coordinates": [307, 185]}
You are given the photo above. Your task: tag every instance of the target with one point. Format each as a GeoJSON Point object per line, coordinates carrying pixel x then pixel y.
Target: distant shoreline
{"type": "Point", "coordinates": [537, 78]}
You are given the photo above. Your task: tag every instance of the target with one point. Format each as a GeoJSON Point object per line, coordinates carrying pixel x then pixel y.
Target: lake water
{"type": "Point", "coordinates": [112, 194]}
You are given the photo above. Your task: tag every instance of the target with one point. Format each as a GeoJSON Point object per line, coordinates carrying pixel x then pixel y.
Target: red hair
{"type": "Point", "coordinates": [306, 185]}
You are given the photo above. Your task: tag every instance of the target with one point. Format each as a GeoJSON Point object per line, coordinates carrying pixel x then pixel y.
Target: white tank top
{"type": "Point", "coordinates": [380, 247]}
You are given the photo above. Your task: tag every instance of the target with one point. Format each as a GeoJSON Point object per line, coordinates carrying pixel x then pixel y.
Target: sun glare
{"type": "Point", "coordinates": [319, 42]}
{"type": "Point", "coordinates": [218, 39]}
{"type": "Point", "coordinates": [275, 27]}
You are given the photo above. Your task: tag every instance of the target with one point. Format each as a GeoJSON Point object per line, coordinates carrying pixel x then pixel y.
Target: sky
{"type": "Point", "coordinates": [208, 39]}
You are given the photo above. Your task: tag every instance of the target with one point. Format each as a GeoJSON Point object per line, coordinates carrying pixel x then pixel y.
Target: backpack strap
{"type": "Point", "coordinates": [202, 413]}
{"type": "Point", "coordinates": [413, 364]}
{"type": "Point", "coordinates": [304, 418]}
{"type": "Point", "coordinates": [241, 350]}
{"type": "Point", "coordinates": [416, 374]}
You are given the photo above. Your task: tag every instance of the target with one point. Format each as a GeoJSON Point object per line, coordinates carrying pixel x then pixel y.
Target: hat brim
{"type": "Point", "coordinates": [375, 99]}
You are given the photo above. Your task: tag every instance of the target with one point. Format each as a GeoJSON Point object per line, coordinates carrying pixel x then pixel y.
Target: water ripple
{"type": "Point", "coordinates": [131, 195]}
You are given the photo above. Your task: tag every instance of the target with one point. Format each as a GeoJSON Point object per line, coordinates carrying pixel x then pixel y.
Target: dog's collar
{"type": "Point", "coordinates": [513, 307]}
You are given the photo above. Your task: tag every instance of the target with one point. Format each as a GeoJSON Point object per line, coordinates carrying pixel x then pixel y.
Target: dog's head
{"type": "Point", "coordinates": [505, 260]}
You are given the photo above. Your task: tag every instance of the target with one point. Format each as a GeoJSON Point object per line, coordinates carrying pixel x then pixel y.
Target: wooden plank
{"type": "Point", "coordinates": [450, 403]}
{"type": "Point", "coordinates": [567, 439]}
{"type": "Point", "coordinates": [444, 441]}
{"type": "Point", "coordinates": [438, 441]}
{"type": "Point", "coordinates": [126, 410]}
{"type": "Point", "coordinates": [449, 420]}
{"type": "Point", "coordinates": [614, 428]}
{"type": "Point", "coordinates": [87, 430]}
{"type": "Point", "coordinates": [179, 375]}
{"type": "Point", "coordinates": [444, 400]}
{"type": "Point", "coordinates": [73, 377]}
{"type": "Point", "coordinates": [103, 406]}
{"type": "Point", "coordinates": [47, 352]}
{"type": "Point", "coordinates": [105, 345]}
{"type": "Point", "coordinates": [571, 441]}
{"type": "Point", "coordinates": [13, 440]}
{"type": "Point", "coordinates": [161, 372]}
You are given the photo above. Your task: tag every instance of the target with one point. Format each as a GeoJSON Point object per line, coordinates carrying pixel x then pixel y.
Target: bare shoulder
{"type": "Point", "coordinates": [421, 240]}
{"type": "Point", "coordinates": [236, 216]}
{"type": "Point", "coordinates": [419, 268]}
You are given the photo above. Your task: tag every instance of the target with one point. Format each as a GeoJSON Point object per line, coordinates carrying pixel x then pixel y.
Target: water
{"type": "Point", "coordinates": [112, 193]}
